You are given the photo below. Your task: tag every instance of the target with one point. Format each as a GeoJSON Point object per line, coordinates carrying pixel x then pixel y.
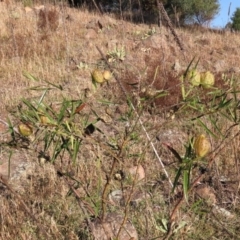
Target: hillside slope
{"type": "Point", "coordinates": [102, 159]}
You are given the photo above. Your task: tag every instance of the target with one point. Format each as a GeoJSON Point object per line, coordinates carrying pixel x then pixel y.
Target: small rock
{"type": "Point", "coordinates": [137, 172]}
{"type": "Point", "coordinates": [38, 8]}
{"type": "Point", "coordinates": [91, 34]}
{"type": "Point", "coordinates": [116, 197]}
{"type": "Point", "coordinates": [206, 193]}
{"type": "Point", "coordinates": [28, 9]}
{"type": "Point", "coordinates": [223, 212]}
{"type": "Point", "coordinates": [219, 66]}
{"type": "Point", "coordinates": [174, 137]}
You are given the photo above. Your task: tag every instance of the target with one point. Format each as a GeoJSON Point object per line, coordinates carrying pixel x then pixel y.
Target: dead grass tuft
{"type": "Point", "coordinates": [48, 19]}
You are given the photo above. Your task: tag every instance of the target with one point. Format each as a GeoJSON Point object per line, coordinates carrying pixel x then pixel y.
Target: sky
{"type": "Point", "coordinates": [222, 18]}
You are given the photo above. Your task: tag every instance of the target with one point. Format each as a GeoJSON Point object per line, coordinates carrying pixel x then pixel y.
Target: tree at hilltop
{"type": "Point", "coordinates": [193, 11]}
{"type": "Point", "coordinates": [184, 11]}
{"type": "Point", "coordinates": [181, 11]}
{"type": "Point", "coordinates": [236, 20]}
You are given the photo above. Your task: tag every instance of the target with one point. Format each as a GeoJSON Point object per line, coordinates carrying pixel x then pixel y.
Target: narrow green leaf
{"type": "Point", "coordinates": [48, 139]}
{"type": "Point", "coordinates": [11, 128]}
{"type": "Point", "coordinates": [76, 147]}
{"type": "Point", "coordinates": [224, 104]}
{"type": "Point", "coordinates": [57, 149]}
{"type": "Point", "coordinates": [213, 121]}
{"type": "Point", "coordinates": [175, 153]}
{"type": "Point", "coordinates": [206, 128]}
{"type": "Point", "coordinates": [186, 181]}
{"type": "Point", "coordinates": [62, 112]}
{"type": "Point", "coordinates": [177, 178]}
{"type": "Point", "coordinates": [188, 152]}
{"type": "Point", "coordinates": [196, 63]}
{"type": "Point", "coordinates": [188, 67]}
{"type": "Point", "coordinates": [54, 85]}
{"type": "Point", "coordinates": [30, 76]}
{"type": "Point", "coordinates": [225, 115]}
{"type": "Point", "coordinates": [43, 95]}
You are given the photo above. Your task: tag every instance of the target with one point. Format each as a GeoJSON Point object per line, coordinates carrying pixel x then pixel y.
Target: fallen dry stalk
{"type": "Point", "coordinates": [162, 11]}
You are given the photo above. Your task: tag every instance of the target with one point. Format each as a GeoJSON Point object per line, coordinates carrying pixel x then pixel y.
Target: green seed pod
{"type": "Point", "coordinates": [201, 145]}
{"type": "Point", "coordinates": [97, 76]}
{"type": "Point", "coordinates": [44, 120]}
{"type": "Point", "coordinates": [25, 130]}
{"type": "Point", "coordinates": [107, 75]}
{"type": "Point", "coordinates": [207, 79]}
{"type": "Point", "coordinates": [194, 77]}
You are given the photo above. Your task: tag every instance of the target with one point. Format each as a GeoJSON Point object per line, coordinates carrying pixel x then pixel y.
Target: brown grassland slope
{"type": "Point", "coordinates": [119, 159]}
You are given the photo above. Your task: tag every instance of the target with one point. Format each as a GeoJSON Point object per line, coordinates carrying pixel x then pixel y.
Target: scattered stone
{"type": "Point", "coordinates": [137, 172]}
{"type": "Point", "coordinates": [119, 198]}
{"type": "Point", "coordinates": [28, 9]}
{"type": "Point", "coordinates": [206, 193]}
{"type": "Point", "coordinates": [222, 211]}
{"type": "Point", "coordinates": [36, 9]}
{"type": "Point", "coordinates": [219, 66]}
{"type": "Point", "coordinates": [116, 197]}
{"type": "Point", "coordinates": [16, 168]}
{"type": "Point", "coordinates": [174, 137]}
{"type": "Point", "coordinates": [91, 34]}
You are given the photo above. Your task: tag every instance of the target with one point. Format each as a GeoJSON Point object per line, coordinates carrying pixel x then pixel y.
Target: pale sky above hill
{"type": "Point", "coordinates": [223, 18]}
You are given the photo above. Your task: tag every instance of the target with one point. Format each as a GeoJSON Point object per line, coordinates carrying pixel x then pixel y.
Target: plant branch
{"type": "Point", "coordinates": [140, 120]}
{"type": "Point", "coordinates": [212, 157]}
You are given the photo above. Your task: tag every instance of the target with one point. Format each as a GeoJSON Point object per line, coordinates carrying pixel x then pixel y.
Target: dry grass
{"type": "Point", "coordinates": [63, 200]}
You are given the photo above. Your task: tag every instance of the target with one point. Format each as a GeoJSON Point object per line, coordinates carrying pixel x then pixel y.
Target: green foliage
{"type": "Point", "coordinates": [236, 20]}
{"type": "Point", "coordinates": [221, 102]}
{"type": "Point", "coordinates": [200, 11]}
{"type": "Point", "coordinates": [55, 127]}
{"type": "Point", "coordinates": [192, 11]}
{"type": "Point", "coordinates": [118, 53]}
